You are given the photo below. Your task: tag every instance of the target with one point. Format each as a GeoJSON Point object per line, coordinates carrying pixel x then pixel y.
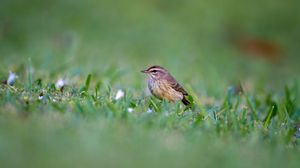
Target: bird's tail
{"type": "Point", "coordinates": [185, 101]}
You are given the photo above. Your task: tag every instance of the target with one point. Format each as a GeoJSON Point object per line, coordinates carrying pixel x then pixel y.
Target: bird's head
{"type": "Point", "coordinates": [156, 72]}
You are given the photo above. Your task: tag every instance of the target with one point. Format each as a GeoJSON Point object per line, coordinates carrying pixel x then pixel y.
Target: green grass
{"type": "Point", "coordinates": [99, 47]}
{"type": "Point", "coordinates": [77, 126]}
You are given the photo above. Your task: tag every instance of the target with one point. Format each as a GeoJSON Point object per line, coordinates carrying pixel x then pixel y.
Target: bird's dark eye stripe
{"type": "Point", "coordinates": [155, 70]}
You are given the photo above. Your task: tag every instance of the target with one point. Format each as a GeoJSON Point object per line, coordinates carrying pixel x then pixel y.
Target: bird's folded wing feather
{"type": "Point", "coordinates": [176, 86]}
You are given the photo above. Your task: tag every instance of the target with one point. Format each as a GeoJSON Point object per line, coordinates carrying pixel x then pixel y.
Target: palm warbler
{"type": "Point", "coordinates": [164, 86]}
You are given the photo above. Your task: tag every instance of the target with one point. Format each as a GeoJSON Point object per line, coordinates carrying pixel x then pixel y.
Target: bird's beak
{"type": "Point", "coordinates": [144, 71]}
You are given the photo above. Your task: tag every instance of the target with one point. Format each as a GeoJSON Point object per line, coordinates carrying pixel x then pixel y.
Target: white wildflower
{"type": "Point", "coordinates": [41, 97]}
{"type": "Point", "coordinates": [11, 78]}
{"type": "Point", "coordinates": [149, 110]}
{"type": "Point", "coordinates": [130, 110]}
{"type": "Point", "coordinates": [59, 84]}
{"type": "Point", "coordinates": [120, 94]}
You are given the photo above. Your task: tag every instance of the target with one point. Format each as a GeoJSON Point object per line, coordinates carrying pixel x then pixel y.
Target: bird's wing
{"type": "Point", "coordinates": [176, 86]}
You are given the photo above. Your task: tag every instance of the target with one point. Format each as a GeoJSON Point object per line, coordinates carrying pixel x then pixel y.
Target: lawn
{"type": "Point", "coordinates": [80, 100]}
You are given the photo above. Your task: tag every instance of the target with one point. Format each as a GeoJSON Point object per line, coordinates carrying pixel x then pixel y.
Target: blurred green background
{"type": "Point", "coordinates": [199, 41]}
{"type": "Point", "coordinates": [208, 45]}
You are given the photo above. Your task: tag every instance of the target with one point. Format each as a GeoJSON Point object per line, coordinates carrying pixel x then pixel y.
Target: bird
{"type": "Point", "coordinates": [164, 86]}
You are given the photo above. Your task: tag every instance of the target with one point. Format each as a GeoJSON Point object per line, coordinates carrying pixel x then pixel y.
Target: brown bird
{"type": "Point", "coordinates": [164, 86]}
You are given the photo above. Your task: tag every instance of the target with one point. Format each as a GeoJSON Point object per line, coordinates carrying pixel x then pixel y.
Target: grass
{"type": "Point", "coordinates": [77, 125]}
{"type": "Point", "coordinates": [246, 109]}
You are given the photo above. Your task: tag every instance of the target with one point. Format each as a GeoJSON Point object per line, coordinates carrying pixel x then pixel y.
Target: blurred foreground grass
{"type": "Point", "coordinates": [205, 44]}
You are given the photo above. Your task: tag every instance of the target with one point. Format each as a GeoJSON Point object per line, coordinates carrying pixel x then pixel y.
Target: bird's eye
{"type": "Point", "coordinates": [154, 71]}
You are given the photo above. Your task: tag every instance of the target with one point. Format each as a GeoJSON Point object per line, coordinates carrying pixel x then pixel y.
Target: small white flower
{"type": "Point", "coordinates": [11, 78]}
{"type": "Point", "coordinates": [41, 97]}
{"type": "Point", "coordinates": [299, 129]}
{"type": "Point", "coordinates": [120, 94]}
{"type": "Point", "coordinates": [149, 110]}
{"type": "Point", "coordinates": [130, 110]}
{"type": "Point", "coordinates": [59, 84]}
